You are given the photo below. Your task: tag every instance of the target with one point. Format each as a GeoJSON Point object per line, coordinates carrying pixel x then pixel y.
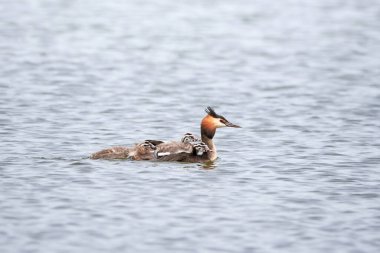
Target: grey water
{"type": "Point", "coordinates": [301, 77]}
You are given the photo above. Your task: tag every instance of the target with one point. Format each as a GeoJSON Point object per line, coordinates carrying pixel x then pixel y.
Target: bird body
{"type": "Point", "coordinates": [190, 148]}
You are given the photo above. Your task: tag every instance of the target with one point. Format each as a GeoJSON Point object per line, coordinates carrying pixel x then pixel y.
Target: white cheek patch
{"type": "Point", "coordinates": [218, 124]}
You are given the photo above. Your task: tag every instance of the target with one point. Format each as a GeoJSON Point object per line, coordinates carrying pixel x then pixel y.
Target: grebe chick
{"type": "Point", "coordinates": [200, 148]}
{"type": "Point", "coordinates": [117, 152]}
{"type": "Point", "coordinates": [189, 149]}
{"type": "Point", "coordinates": [141, 151]}
{"type": "Point", "coordinates": [189, 138]}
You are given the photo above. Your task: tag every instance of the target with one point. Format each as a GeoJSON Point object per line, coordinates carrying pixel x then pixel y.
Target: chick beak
{"type": "Point", "coordinates": [229, 124]}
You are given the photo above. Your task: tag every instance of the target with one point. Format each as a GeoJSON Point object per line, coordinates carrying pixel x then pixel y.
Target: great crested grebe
{"type": "Point", "coordinates": [189, 149]}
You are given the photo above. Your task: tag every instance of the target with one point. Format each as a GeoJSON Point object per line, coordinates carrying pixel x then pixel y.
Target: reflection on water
{"type": "Point", "coordinates": [301, 77]}
{"type": "Point", "coordinates": [209, 165]}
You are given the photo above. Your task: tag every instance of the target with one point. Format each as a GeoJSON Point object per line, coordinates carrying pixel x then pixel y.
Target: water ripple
{"type": "Point", "coordinates": [300, 77]}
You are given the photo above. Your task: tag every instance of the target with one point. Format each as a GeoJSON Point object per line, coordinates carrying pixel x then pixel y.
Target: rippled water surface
{"type": "Point", "coordinates": [301, 77]}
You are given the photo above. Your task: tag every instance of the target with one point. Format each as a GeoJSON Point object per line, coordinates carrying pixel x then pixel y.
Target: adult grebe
{"type": "Point", "coordinates": [189, 149]}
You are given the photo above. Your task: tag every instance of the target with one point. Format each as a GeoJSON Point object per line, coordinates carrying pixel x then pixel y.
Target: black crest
{"type": "Point", "coordinates": [211, 112]}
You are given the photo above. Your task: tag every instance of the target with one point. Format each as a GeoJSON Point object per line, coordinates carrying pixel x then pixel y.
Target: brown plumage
{"type": "Point", "coordinates": [111, 153]}
{"type": "Point", "coordinates": [189, 149]}
{"type": "Point", "coordinates": [142, 151]}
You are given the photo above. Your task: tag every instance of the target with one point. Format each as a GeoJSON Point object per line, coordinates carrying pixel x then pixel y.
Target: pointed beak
{"type": "Point", "coordinates": [229, 124]}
